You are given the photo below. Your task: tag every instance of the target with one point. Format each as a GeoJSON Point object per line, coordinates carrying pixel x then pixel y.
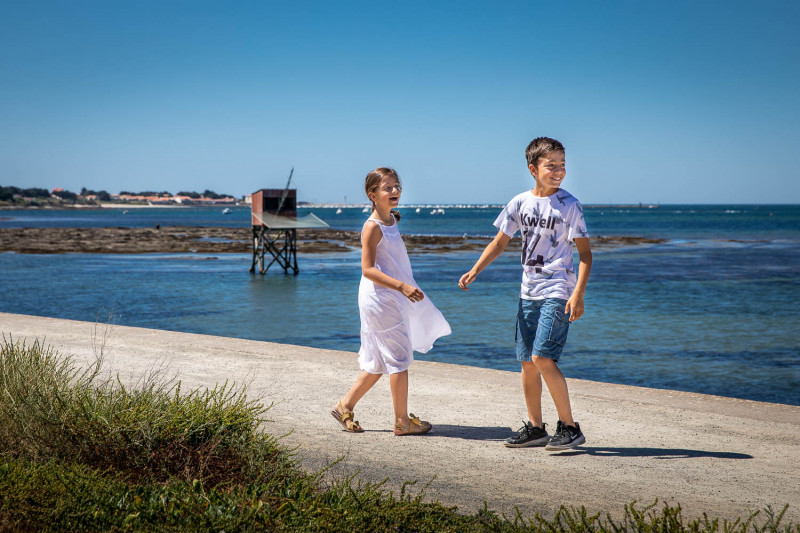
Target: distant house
{"type": "Point", "coordinates": [154, 200]}
{"type": "Point", "coordinates": [176, 199]}
{"type": "Point", "coordinates": [225, 200]}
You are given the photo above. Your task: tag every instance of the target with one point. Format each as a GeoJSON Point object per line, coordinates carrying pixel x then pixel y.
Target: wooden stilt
{"type": "Point", "coordinates": [282, 248]}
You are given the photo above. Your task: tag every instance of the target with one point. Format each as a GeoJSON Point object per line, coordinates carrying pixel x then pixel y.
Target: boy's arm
{"type": "Point", "coordinates": [575, 302]}
{"type": "Point", "coordinates": [490, 253]}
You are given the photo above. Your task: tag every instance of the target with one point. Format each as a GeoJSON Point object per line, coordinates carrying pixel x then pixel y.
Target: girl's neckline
{"type": "Point", "coordinates": [394, 222]}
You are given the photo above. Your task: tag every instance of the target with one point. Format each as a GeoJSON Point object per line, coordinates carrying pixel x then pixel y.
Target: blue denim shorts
{"type": "Point", "coordinates": [542, 327]}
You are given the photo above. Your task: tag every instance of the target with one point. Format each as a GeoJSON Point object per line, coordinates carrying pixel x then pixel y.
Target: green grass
{"type": "Point", "coordinates": [79, 452]}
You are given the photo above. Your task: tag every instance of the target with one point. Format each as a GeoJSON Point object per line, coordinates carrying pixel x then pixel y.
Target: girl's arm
{"type": "Point", "coordinates": [490, 253]}
{"type": "Point", "coordinates": [370, 238]}
{"type": "Point", "coordinates": [575, 302]}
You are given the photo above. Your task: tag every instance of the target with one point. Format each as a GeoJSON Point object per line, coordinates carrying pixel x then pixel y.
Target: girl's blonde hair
{"type": "Point", "coordinates": [373, 181]}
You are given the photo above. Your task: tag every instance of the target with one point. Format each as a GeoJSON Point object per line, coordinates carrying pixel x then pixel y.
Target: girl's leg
{"type": "Point", "coordinates": [532, 389]}
{"type": "Point", "coordinates": [363, 383]}
{"type": "Point", "coordinates": [558, 387]}
{"type": "Point", "coordinates": [399, 384]}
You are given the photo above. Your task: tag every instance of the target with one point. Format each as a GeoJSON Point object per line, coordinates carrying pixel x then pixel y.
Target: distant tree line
{"type": "Point", "coordinates": [191, 194]}
{"type": "Point", "coordinates": [101, 195]}
{"type": "Point", "coordinates": [145, 193]}
{"type": "Point", "coordinates": [7, 193]}
{"type": "Point", "coordinates": [206, 193]}
{"type": "Point", "coordinates": [67, 195]}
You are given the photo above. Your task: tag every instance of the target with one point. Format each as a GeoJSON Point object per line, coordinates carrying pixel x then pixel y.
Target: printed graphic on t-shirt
{"type": "Point", "coordinates": [548, 227]}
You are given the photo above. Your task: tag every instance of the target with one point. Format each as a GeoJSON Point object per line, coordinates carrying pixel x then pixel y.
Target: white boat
{"type": "Point", "coordinates": [226, 211]}
{"type": "Point", "coordinates": [339, 211]}
{"type": "Point", "coordinates": [366, 210]}
{"type": "Point", "coordinates": [418, 210]}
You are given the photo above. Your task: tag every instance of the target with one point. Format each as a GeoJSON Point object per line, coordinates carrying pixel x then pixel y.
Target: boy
{"type": "Point", "coordinates": [549, 219]}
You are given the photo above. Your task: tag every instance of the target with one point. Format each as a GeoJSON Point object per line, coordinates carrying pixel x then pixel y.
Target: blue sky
{"type": "Point", "coordinates": [675, 102]}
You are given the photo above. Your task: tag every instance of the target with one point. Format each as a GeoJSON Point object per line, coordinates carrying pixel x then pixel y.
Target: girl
{"type": "Point", "coordinates": [396, 318]}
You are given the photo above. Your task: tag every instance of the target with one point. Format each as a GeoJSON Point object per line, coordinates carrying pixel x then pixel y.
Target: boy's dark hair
{"type": "Point", "coordinates": [540, 147]}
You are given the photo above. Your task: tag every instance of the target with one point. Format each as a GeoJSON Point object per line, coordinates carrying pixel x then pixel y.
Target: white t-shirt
{"type": "Point", "coordinates": [548, 227]}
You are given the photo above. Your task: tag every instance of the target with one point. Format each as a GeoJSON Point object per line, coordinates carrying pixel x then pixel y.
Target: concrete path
{"type": "Point", "coordinates": [710, 454]}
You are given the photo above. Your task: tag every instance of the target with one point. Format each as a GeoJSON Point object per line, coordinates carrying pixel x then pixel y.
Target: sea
{"type": "Point", "coordinates": [714, 308]}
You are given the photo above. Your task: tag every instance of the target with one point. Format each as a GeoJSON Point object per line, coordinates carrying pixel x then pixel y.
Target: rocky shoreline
{"type": "Point", "coordinates": [195, 239]}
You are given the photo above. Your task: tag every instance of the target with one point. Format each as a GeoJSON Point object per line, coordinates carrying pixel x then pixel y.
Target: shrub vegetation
{"type": "Point", "coordinates": [82, 452]}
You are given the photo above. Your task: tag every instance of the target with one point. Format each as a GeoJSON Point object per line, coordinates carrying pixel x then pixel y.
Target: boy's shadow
{"type": "Point", "coordinates": [655, 453]}
{"type": "Point", "coordinates": [500, 433]}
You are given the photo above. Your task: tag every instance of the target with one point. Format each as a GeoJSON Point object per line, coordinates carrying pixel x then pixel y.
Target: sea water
{"type": "Point", "coordinates": [712, 309]}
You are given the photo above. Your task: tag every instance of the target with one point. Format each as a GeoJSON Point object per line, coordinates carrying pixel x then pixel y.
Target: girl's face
{"type": "Point", "coordinates": [388, 193]}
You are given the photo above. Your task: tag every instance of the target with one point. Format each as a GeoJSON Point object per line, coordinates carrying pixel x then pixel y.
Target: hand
{"type": "Point", "coordinates": [466, 279]}
{"type": "Point", "coordinates": [574, 307]}
{"type": "Point", "coordinates": [411, 292]}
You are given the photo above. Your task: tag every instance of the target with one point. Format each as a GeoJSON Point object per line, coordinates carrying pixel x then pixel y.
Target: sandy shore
{"type": "Point", "coordinates": [709, 454]}
{"type": "Point", "coordinates": [182, 239]}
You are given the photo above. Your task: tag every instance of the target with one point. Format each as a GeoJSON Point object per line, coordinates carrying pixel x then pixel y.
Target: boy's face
{"type": "Point", "coordinates": [549, 172]}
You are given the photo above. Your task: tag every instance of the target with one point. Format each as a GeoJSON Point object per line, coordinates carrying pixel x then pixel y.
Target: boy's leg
{"type": "Point", "coordinates": [558, 387]}
{"type": "Point", "coordinates": [533, 432]}
{"type": "Point", "coordinates": [551, 335]}
{"type": "Point", "coordinates": [568, 433]}
{"type": "Point", "coordinates": [364, 383]}
{"type": "Point", "coordinates": [532, 389]}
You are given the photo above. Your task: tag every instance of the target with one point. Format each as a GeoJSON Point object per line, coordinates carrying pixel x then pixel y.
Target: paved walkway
{"type": "Point", "coordinates": [710, 454]}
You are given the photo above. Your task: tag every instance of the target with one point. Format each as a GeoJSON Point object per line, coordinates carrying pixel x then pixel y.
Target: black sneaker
{"type": "Point", "coordinates": [566, 437]}
{"type": "Point", "coordinates": [528, 435]}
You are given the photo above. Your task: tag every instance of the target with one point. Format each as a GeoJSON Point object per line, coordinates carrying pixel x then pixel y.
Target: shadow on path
{"type": "Point", "coordinates": [499, 433]}
{"type": "Point", "coordinates": [471, 432]}
{"type": "Point", "coordinates": [656, 453]}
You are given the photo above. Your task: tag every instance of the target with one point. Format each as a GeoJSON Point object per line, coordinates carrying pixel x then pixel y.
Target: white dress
{"type": "Point", "coordinates": [392, 326]}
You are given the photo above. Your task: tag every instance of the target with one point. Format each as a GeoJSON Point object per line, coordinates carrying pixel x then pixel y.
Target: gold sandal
{"type": "Point", "coordinates": [345, 418]}
{"type": "Point", "coordinates": [415, 427]}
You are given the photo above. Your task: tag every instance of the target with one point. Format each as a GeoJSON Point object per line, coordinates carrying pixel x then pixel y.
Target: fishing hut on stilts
{"type": "Point", "coordinates": [275, 225]}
